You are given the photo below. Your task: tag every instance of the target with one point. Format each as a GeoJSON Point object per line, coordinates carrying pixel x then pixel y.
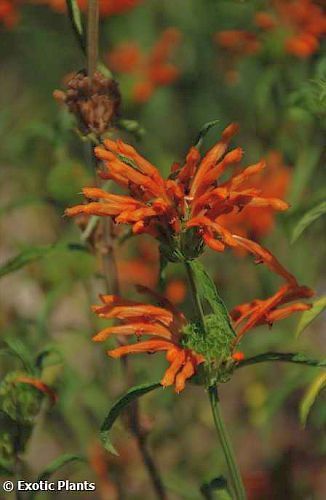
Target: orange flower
{"type": "Point", "coordinates": [152, 70]}
{"type": "Point", "coordinates": [303, 21]}
{"type": "Point", "coordinates": [273, 182]}
{"type": "Point", "coordinates": [107, 7]}
{"type": "Point", "coordinates": [162, 324]}
{"type": "Point", "coordinates": [238, 41]}
{"type": "Point", "coordinates": [259, 312]}
{"type": "Point", "coordinates": [186, 210]}
{"type": "Point", "coordinates": [8, 13]}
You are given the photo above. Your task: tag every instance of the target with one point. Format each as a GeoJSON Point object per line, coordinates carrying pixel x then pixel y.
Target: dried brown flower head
{"type": "Point", "coordinates": [94, 101]}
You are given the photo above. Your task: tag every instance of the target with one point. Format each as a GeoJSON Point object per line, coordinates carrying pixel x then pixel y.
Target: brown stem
{"type": "Point", "coordinates": [92, 36]}
{"type": "Point", "coordinates": [110, 265]}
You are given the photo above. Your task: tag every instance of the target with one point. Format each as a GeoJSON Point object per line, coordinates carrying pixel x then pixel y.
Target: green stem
{"type": "Point", "coordinates": [234, 472]}
{"type": "Point", "coordinates": [196, 298]}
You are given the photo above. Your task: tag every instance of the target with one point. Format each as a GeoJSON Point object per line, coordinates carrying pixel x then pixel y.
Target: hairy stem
{"type": "Point", "coordinates": [234, 472]}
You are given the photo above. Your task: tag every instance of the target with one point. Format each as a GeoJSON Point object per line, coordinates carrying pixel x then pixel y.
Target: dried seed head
{"type": "Point", "coordinates": [94, 101]}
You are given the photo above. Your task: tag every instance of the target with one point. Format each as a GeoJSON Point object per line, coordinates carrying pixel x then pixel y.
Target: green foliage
{"type": "Point", "coordinates": [65, 181]}
{"type": "Point", "coordinates": [55, 466]}
{"type": "Point", "coordinates": [288, 357]}
{"type": "Point", "coordinates": [309, 316]}
{"type": "Point", "coordinates": [317, 385]}
{"type": "Point", "coordinates": [203, 132]}
{"type": "Point", "coordinates": [20, 401]}
{"type": "Point", "coordinates": [16, 348]}
{"type": "Point", "coordinates": [216, 344]}
{"type": "Point", "coordinates": [133, 394]}
{"type": "Point", "coordinates": [308, 218]}
{"type": "Point", "coordinates": [23, 258]}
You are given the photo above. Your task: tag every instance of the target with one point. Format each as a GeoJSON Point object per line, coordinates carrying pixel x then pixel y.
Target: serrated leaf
{"type": "Point", "coordinates": [54, 466]}
{"type": "Point", "coordinates": [218, 485]}
{"type": "Point", "coordinates": [308, 218]}
{"type": "Point", "coordinates": [318, 384]}
{"type": "Point", "coordinates": [309, 316]}
{"type": "Point", "coordinates": [203, 131]}
{"type": "Point", "coordinates": [23, 258]}
{"type": "Point", "coordinates": [115, 411]}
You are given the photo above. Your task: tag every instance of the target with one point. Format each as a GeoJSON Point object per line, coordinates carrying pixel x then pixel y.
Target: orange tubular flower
{"type": "Point", "coordinates": [164, 327]}
{"type": "Point", "coordinates": [272, 182]}
{"type": "Point", "coordinates": [259, 312]}
{"type": "Point", "coordinates": [152, 70]}
{"type": "Point", "coordinates": [186, 210]}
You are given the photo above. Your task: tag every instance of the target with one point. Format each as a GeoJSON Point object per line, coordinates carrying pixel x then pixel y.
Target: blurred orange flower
{"type": "Point", "coordinates": [238, 41]}
{"type": "Point", "coordinates": [151, 70]}
{"type": "Point", "coordinates": [300, 23]}
{"type": "Point", "coordinates": [303, 21]}
{"type": "Point", "coordinates": [9, 15]}
{"type": "Point", "coordinates": [192, 197]}
{"type": "Point", "coordinates": [163, 324]}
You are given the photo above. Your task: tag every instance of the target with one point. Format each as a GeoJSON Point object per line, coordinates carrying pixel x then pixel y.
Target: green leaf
{"type": "Point", "coordinates": [76, 22]}
{"type": "Point", "coordinates": [16, 348]}
{"type": "Point", "coordinates": [308, 218]}
{"type": "Point", "coordinates": [130, 396]}
{"type": "Point", "coordinates": [318, 384]}
{"type": "Point", "coordinates": [203, 131]}
{"type": "Point", "coordinates": [288, 357]}
{"type": "Point", "coordinates": [309, 316]}
{"type": "Point", "coordinates": [304, 168]}
{"type": "Point", "coordinates": [24, 258]}
{"type": "Point", "coordinates": [219, 485]}
{"type": "Point", "coordinates": [219, 333]}
{"type": "Point", "coordinates": [54, 466]}
{"type": "Point", "coordinates": [5, 469]}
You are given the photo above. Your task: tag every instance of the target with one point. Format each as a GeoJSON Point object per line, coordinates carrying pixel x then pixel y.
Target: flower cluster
{"type": "Point", "coordinates": [183, 212]}
{"type": "Point", "coordinates": [150, 70]}
{"type": "Point", "coordinates": [186, 212]}
{"type": "Point", "coordinates": [169, 331]}
{"type": "Point", "coordinates": [299, 24]}
{"type": "Point", "coordinates": [164, 325]}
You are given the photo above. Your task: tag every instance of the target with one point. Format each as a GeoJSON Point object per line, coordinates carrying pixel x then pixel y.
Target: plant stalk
{"type": "Point", "coordinates": [234, 473]}
{"type": "Point", "coordinates": [110, 265]}
{"type": "Point", "coordinates": [92, 36]}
